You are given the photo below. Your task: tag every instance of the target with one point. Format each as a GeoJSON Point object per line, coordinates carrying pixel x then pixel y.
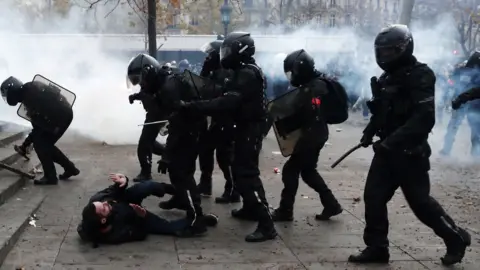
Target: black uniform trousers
{"type": "Point", "coordinates": [181, 170]}
{"type": "Point", "coordinates": [44, 143]}
{"type": "Point", "coordinates": [304, 163]}
{"type": "Point", "coordinates": [216, 139]}
{"type": "Point", "coordinates": [147, 142]}
{"type": "Point", "coordinates": [388, 172]}
{"type": "Point", "coordinates": [246, 174]}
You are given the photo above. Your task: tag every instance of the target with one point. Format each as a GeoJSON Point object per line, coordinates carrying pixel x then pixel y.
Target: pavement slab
{"type": "Point", "coordinates": [304, 243]}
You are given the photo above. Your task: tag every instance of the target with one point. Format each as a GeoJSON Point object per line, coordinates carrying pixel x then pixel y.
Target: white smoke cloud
{"type": "Point", "coordinates": [80, 64]}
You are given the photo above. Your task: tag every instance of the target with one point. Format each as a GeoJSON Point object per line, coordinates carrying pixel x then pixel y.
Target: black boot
{"type": "Point", "coordinates": [281, 214]}
{"type": "Point", "coordinates": [21, 150]}
{"type": "Point", "coordinates": [142, 176]}
{"type": "Point", "coordinates": [45, 181]}
{"type": "Point", "coordinates": [228, 197]}
{"type": "Point", "coordinates": [261, 235]}
{"type": "Point", "coordinates": [73, 171]}
{"type": "Point", "coordinates": [371, 255]}
{"type": "Point", "coordinates": [173, 203]}
{"type": "Point", "coordinates": [205, 188]}
{"type": "Point", "coordinates": [327, 213]}
{"type": "Point", "coordinates": [244, 214]}
{"type": "Point", "coordinates": [456, 249]}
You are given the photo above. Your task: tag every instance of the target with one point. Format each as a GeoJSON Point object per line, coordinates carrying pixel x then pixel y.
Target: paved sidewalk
{"type": "Point", "coordinates": [304, 243]}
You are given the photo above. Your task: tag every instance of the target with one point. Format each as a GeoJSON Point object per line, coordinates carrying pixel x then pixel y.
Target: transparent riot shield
{"type": "Point", "coordinates": [62, 94]}
{"type": "Point", "coordinates": [288, 120]}
{"type": "Point", "coordinates": [204, 88]}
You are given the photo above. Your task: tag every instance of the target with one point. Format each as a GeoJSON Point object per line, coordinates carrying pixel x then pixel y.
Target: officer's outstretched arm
{"type": "Point", "coordinates": [422, 120]}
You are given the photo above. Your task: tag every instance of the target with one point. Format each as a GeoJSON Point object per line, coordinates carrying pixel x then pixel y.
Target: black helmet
{"type": "Point", "coordinates": [474, 60]}
{"type": "Point", "coordinates": [141, 69]}
{"type": "Point", "coordinates": [299, 67]}
{"type": "Point", "coordinates": [212, 47]}
{"type": "Point", "coordinates": [12, 89]}
{"type": "Point", "coordinates": [393, 46]}
{"type": "Point", "coordinates": [236, 48]}
{"type": "Point", "coordinates": [184, 64]}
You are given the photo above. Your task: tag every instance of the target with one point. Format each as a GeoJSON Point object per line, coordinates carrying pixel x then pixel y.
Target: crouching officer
{"type": "Point", "coordinates": [244, 102]}
{"type": "Point", "coordinates": [218, 137]}
{"type": "Point", "coordinates": [50, 114]}
{"type": "Point", "coordinates": [403, 114]}
{"type": "Point", "coordinates": [180, 155]}
{"type": "Point", "coordinates": [147, 141]}
{"type": "Point", "coordinates": [299, 68]}
{"type": "Point", "coordinates": [115, 215]}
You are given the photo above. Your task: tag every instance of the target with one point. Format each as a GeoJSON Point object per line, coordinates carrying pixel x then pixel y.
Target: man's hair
{"type": "Point", "coordinates": [90, 217]}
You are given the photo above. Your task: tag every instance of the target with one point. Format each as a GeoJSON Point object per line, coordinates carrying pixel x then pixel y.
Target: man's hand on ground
{"type": "Point", "coordinates": [118, 178]}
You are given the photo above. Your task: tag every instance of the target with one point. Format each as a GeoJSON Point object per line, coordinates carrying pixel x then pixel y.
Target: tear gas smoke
{"type": "Point", "coordinates": [80, 64]}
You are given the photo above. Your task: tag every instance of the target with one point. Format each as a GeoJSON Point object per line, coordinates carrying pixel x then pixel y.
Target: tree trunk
{"type": "Point", "coordinates": [152, 28]}
{"type": "Point", "coordinates": [406, 14]}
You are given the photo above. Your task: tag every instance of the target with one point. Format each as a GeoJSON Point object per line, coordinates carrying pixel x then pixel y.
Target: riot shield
{"type": "Point", "coordinates": [64, 95]}
{"type": "Point", "coordinates": [204, 88]}
{"type": "Point", "coordinates": [287, 112]}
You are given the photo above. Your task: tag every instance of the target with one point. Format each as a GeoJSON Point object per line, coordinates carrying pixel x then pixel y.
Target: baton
{"type": "Point", "coordinates": [153, 123]}
{"type": "Point", "coordinates": [17, 171]}
{"type": "Point", "coordinates": [353, 149]}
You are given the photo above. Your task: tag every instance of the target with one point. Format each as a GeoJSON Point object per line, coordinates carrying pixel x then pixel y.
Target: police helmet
{"type": "Point", "coordinates": [236, 48]}
{"type": "Point", "coordinates": [393, 46]}
{"type": "Point", "coordinates": [299, 67]}
{"type": "Point", "coordinates": [141, 69]}
{"type": "Point", "coordinates": [11, 90]}
{"type": "Point", "coordinates": [184, 64]}
{"type": "Point", "coordinates": [212, 47]}
{"type": "Point", "coordinates": [474, 60]}
{"type": "Point", "coordinates": [173, 63]}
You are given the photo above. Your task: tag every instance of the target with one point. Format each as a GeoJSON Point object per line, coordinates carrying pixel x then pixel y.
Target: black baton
{"type": "Point", "coordinates": [17, 171]}
{"type": "Point", "coordinates": [353, 149]}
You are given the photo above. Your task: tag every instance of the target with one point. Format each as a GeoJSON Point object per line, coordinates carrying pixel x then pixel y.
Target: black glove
{"type": "Point", "coordinates": [163, 166]}
{"type": "Point", "coordinates": [366, 140]}
{"type": "Point", "coordinates": [456, 103]}
{"type": "Point", "coordinates": [380, 147]}
{"type": "Point", "coordinates": [374, 86]}
{"type": "Point", "coordinates": [132, 98]}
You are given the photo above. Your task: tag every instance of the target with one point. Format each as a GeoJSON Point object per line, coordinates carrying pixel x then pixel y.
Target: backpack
{"type": "Point", "coordinates": [336, 102]}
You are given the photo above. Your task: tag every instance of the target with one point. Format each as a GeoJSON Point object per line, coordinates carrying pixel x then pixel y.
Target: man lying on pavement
{"type": "Point", "coordinates": [115, 215]}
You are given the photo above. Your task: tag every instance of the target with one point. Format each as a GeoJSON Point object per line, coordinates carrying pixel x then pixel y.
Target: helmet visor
{"type": "Point", "coordinates": [386, 54]}
{"type": "Point", "coordinates": [133, 80]}
{"type": "Point", "coordinates": [225, 52]}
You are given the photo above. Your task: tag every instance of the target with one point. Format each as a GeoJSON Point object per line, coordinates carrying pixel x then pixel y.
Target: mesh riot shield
{"type": "Point", "coordinates": [204, 88]}
{"type": "Point", "coordinates": [287, 112]}
{"type": "Point", "coordinates": [62, 94]}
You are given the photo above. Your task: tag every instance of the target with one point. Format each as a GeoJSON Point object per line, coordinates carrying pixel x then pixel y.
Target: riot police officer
{"type": "Point", "coordinates": [299, 67]}
{"type": "Point", "coordinates": [403, 115]}
{"type": "Point", "coordinates": [244, 101]}
{"type": "Point", "coordinates": [179, 157]}
{"type": "Point", "coordinates": [147, 141]}
{"type": "Point", "coordinates": [218, 136]}
{"type": "Point", "coordinates": [50, 113]}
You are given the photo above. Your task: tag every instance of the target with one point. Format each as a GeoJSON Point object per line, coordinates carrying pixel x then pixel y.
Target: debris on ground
{"type": "Point", "coordinates": [276, 170]}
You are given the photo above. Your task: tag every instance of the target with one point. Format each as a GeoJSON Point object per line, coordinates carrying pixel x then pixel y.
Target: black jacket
{"type": "Point", "coordinates": [315, 131]}
{"type": "Point", "coordinates": [48, 108]}
{"type": "Point", "coordinates": [403, 111]}
{"type": "Point", "coordinates": [244, 97]}
{"type": "Point", "coordinates": [126, 225]}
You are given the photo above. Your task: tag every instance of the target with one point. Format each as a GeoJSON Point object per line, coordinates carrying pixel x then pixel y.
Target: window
{"type": "Point", "coordinates": [193, 20]}
{"type": "Point", "coordinates": [318, 19]}
{"type": "Point", "coordinates": [332, 20]}
{"type": "Point", "coordinates": [348, 19]}
{"type": "Point", "coordinates": [332, 3]}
